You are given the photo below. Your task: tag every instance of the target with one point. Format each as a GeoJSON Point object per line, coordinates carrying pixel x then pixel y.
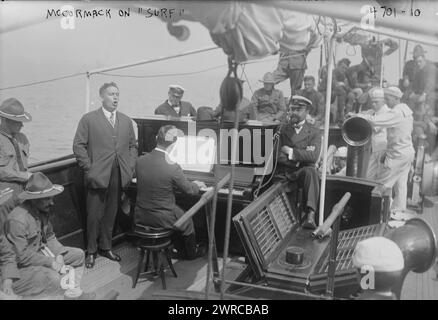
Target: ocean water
{"type": "Point", "coordinates": [44, 51]}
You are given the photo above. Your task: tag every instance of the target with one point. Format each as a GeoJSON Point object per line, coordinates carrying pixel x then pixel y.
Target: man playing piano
{"type": "Point", "coordinates": [157, 179]}
{"type": "Point", "coordinates": [300, 148]}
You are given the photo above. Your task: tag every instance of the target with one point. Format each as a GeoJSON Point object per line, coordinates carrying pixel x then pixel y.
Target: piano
{"type": "Point", "coordinates": [212, 141]}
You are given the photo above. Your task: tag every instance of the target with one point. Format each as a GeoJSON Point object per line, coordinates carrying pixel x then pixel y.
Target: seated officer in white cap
{"type": "Point", "coordinates": [42, 260]}
{"type": "Point", "coordinates": [300, 149]}
{"type": "Point", "coordinates": [173, 106]}
{"type": "Point", "coordinates": [380, 266]}
{"type": "Point", "coordinates": [378, 139]}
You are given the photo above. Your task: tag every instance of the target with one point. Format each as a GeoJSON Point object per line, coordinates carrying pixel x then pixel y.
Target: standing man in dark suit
{"type": "Point", "coordinates": [173, 106]}
{"type": "Point", "coordinates": [106, 150]}
{"type": "Point", "coordinates": [157, 179]}
{"type": "Point", "coordinates": [300, 148]}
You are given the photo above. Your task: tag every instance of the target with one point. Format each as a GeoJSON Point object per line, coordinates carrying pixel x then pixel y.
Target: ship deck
{"type": "Point", "coordinates": [110, 280]}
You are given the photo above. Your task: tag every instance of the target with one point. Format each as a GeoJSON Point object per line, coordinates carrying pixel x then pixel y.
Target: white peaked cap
{"type": "Point", "coordinates": [380, 253]}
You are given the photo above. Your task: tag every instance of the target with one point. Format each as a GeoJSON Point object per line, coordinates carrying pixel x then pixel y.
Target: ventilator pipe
{"type": "Point", "coordinates": [356, 132]}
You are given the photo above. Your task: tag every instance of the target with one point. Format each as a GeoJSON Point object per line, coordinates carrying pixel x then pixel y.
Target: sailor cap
{"type": "Point", "coordinates": [299, 101]}
{"type": "Point", "coordinates": [379, 253]}
{"type": "Point", "coordinates": [377, 93]}
{"type": "Point", "coordinates": [176, 90]}
{"type": "Point", "coordinates": [394, 91]}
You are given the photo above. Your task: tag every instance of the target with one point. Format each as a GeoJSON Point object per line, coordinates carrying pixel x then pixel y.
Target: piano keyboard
{"type": "Point", "coordinates": [236, 192]}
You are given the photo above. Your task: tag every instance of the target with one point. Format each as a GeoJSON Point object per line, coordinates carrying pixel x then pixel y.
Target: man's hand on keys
{"type": "Point", "coordinates": [201, 185]}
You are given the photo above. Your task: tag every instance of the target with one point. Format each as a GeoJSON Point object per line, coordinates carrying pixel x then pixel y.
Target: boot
{"type": "Point", "coordinates": [310, 221]}
{"type": "Point", "coordinates": [193, 250]}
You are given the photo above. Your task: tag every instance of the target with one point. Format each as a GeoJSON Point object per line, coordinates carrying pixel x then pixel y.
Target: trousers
{"type": "Point", "coordinates": [394, 174]}
{"type": "Point", "coordinates": [43, 282]}
{"type": "Point", "coordinates": [102, 207]}
{"type": "Point", "coordinates": [375, 165]}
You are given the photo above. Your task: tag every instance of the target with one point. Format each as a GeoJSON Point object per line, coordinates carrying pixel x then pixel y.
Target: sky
{"type": "Point", "coordinates": [39, 49]}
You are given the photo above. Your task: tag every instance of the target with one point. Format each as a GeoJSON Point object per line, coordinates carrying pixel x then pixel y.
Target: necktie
{"type": "Point", "coordinates": [111, 119]}
{"type": "Point", "coordinates": [18, 153]}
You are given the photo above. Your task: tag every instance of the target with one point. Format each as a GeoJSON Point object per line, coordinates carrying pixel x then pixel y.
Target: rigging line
{"type": "Point", "coordinates": [44, 81]}
{"type": "Point", "coordinates": [160, 75]}
{"type": "Point", "coordinates": [174, 74]}
{"type": "Point", "coordinates": [247, 81]}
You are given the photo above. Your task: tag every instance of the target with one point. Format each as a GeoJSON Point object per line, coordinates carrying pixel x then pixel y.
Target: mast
{"type": "Point", "coordinates": [328, 97]}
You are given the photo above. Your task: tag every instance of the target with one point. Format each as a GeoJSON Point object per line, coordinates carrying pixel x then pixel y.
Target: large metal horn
{"type": "Point", "coordinates": [418, 244]}
{"type": "Point", "coordinates": [356, 132]}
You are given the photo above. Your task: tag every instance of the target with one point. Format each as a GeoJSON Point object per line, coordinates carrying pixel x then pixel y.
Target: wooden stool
{"type": "Point", "coordinates": [154, 242]}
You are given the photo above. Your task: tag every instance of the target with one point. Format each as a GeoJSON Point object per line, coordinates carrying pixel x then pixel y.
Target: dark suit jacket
{"type": "Point", "coordinates": [306, 146]}
{"type": "Point", "coordinates": [186, 108]}
{"type": "Point", "coordinates": [97, 144]}
{"type": "Point", "coordinates": [157, 179]}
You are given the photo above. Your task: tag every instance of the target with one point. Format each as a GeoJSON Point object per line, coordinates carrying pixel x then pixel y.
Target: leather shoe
{"type": "Point", "coordinates": [201, 250]}
{"type": "Point", "coordinates": [110, 255]}
{"type": "Point", "coordinates": [90, 260]}
{"type": "Point", "coordinates": [310, 221]}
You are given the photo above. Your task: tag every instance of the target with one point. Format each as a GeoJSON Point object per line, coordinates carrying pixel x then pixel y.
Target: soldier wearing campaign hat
{"type": "Point", "coordinates": [300, 149]}
{"type": "Point", "coordinates": [41, 259]}
{"type": "Point", "coordinates": [267, 102]}
{"type": "Point", "coordinates": [173, 106]}
{"type": "Point", "coordinates": [14, 152]}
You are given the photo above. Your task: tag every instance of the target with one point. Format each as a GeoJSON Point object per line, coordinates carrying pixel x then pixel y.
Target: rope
{"type": "Point", "coordinates": [124, 75]}
{"type": "Point", "coordinates": [43, 81]}
{"type": "Point", "coordinates": [247, 80]}
{"type": "Point", "coordinates": [160, 75]}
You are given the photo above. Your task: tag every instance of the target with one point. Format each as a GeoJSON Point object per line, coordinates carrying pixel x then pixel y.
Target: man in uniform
{"type": "Point", "coordinates": [318, 104]}
{"type": "Point", "coordinates": [42, 260]}
{"type": "Point", "coordinates": [378, 139]}
{"type": "Point", "coordinates": [157, 179]}
{"type": "Point", "coordinates": [268, 103]}
{"type": "Point", "coordinates": [8, 266]}
{"type": "Point", "coordinates": [400, 153]}
{"type": "Point", "coordinates": [410, 66]}
{"type": "Point", "coordinates": [300, 149]}
{"type": "Point", "coordinates": [14, 152]}
{"type": "Point", "coordinates": [173, 106]}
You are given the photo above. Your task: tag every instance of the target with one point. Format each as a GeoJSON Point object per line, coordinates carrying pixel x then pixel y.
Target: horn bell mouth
{"type": "Point", "coordinates": [356, 131]}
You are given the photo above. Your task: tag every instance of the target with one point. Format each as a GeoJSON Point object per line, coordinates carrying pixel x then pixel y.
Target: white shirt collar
{"type": "Point", "coordinates": [108, 114]}
{"type": "Point", "coordinates": [301, 124]}
{"type": "Point", "coordinates": [177, 108]}
{"type": "Point", "coordinates": [161, 150]}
